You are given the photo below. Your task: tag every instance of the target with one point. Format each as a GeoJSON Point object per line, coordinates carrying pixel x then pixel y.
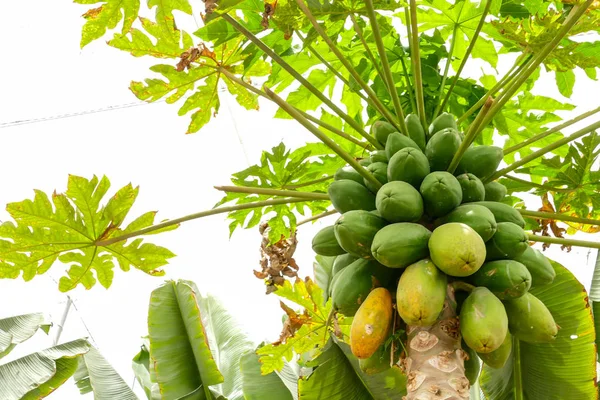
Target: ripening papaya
{"type": "Point", "coordinates": [443, 121]}
{"type": "Point", "coordinates": [378, 362]}
{"type": "Point", "coordinates": [348, 172]}
{"type": "Point", "coordinates": [542, 272]}
{"type": "Point", "coordinates": [324, 243]}
{"type": "Point", "coordinates": [441, 148]}
{"type": "Point", "coordinates": [498, 358]}
{"type": "Point", "coordinates": [509, 241]}
{"type": "Point", "coordinates": [355, 282]}
{"type": "Point", "coordinates": [355, 231]}
{"type": "Point", "coordinates": [441, 193]}
{"type": "Point", "coordinates": [396, 142]}
{"type": "Point", "coordinates": [347, 195]}
{"type": "Point", "coordinates": [379, 171]}
{"type": "Point", "coordinates": [472, 364]}
{"type": "Point", "coordinates": [530, 320]}
{"type": "Point", "coordinates": [481, 161]}
{"type": "Point", "coordinates": [401, 244]}
{"type": "Point", "coordinates": [472, 188]}
{"type": "Point", "coordinates": [341, 262]}
{"type": "Point", "coordinates": [378, 156]}
{"type": "Point", "coordinates": [494, 191]}
{"type": "Point", "coordinates": [398, 201]}
{"type": "Point", "coordinates": [421, 293]}
{"type": "Point", "coordinates": [415, 130]}
{"type": "Point", "coordinates": [371, 324]}
{"type": "Point", "coordinates": [408, 165]}
{"type": "Point", "coordinates": [507, 279]}
{"type": "Point", "coordinates": [456, 249]}
{"type": "Point", "coordinates": [381, 130]}
{"type": "Point", "coordinates": [477, 217]}
{"type": "Point", "coordinates": [503, 212]}
{"type": "Point", "coordinates": [483, 321]}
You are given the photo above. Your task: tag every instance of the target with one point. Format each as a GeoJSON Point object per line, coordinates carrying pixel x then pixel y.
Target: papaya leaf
{"type": "Point", "coordinates": [164, 13]}
{"type": "Point", "coordinates": [154, 43]}
{"type": "Point", "coordinates": [70, 228]}
{"type": "Point", "coordinates": [107, 16]}
{"type": "Point", "coordinates": [302, 332]}
{"type": "Point", "coordinates": [547, 367]}
{"type": "Point", "coordinates": [16, 330]}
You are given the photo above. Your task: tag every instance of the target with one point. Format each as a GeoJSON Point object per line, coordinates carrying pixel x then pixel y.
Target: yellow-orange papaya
{"type": "Point", "coordinates": [371, 324]}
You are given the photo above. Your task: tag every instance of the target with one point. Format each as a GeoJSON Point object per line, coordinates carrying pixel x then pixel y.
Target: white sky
{"type": "Point", "coordinates": [45, 74]}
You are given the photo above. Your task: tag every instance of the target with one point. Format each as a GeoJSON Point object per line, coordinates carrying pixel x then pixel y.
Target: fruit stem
{"type": "Point", "coordinates": [309, 183]}
{"type": "Point", "coordinates": [558, 217]}
{"type": "Point", "coordinates": [517, 373]}
{"type": "Point", "coordinates": [471, 135]}
{"type": "Point", "coordinates": [566, 242]}
{"type": "Point", "coordinates": [261, 45]}
{"type": "Point", "coordinates": [550, 131]}
{"type": "Point", "coordinates": [375, 102]}
{"type": "Point", "coordinates": [324, 138]}
{"type": "Point", "coordinates": [273, 192]}
{"type": "Point", "coordinates": [306, 115]}
{"type": "Point", "coordinates": [512, 72]}
{"type": "Point", "coordinates": [316, 217]}
{"type": "Point", "coordinates": [329, 66]}
{"type": "Point", "coordinates": [486, 9]}
{"type": "Point", "coordinates": [416, 60]}
{"type": "Point", "coordinates": [464, 286]}
{"type": "Point", "coordinates": [386, 66]}
{"type": "Point", "coordinates": [446, 70]}
{"type": "Point", "coordinates": [202, 214]}
{"type": "Point", "coordinates": [576, 12]}
{"type": "Point", "coordinates": [541, 152]}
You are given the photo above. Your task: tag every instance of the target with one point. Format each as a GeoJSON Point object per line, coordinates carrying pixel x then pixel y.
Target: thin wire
{"type": "Point", "coordinates": [11, 124]}
{"type": "Point", "coordinates": [235, 127]}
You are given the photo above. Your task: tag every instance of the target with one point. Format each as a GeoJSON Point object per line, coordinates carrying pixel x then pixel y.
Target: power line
{"type": "Point", "coordinates": [75, 114]}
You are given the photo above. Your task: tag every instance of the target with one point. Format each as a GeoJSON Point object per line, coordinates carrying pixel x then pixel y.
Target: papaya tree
{"type": "Point", "coordinates": [428, 272]}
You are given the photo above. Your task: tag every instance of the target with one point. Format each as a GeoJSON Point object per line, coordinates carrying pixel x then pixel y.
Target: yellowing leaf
{"type": "Point", "coordinates": [107, 16]}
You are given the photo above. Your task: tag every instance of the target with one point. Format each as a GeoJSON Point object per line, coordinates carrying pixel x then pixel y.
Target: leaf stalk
{"type": "Point", "coordinates": [273, 192]}
{"type": "Point", "coordinates": [563, 241]}
{"type": "Point", "coordinates": [558, 217]}
{"type": "Point", "coordinates": [416, 61]}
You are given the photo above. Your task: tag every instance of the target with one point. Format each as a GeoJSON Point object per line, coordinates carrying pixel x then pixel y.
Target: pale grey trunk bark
{"type": "Point", "coordinates": [435, 362]}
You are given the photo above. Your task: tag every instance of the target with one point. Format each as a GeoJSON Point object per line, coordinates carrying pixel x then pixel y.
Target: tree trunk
{"type": "Point", "coordinates": [435, 361]}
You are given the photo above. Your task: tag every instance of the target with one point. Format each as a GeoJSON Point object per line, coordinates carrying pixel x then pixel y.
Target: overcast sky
{"type": "Point", "coordinates": [45, 75]}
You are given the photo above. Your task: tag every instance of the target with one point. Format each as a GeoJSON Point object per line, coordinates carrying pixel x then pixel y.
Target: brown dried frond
{"type": "Point", "coordinates": [277, 259]}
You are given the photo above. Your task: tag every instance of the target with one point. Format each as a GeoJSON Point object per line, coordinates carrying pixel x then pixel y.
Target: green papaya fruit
{"type": "Point", "coordinates": [472, 188]}
{"type": "Point", "coordinates": [421, 293]}
{"type": "Point", "coordinates": [456, 249]}
{"type": "Point", "coordinates": [503, 212]}
{"type": "Point", "coordinates": [348, 172]}
{"type": "Point", "coordinates": [378, 362]}
{"type": "Point", "coordinates": [443, 121]}
{"type": "Point", "coordinates": [347, 195]}
{"type": "Point", "coordinates": [483, 321]}
{"type": "Point", "coordinates": [376, 212]}
{"type": "Point", "coordinates": [381, 130]}
{"type": "Point", "coordinates": [408, 165]}
{"type": "Point", "coordinates": [378, 156]}
{"type": "Point", "coordinates": [472, 364]}
{"type": "Point", "coordinates": [324, 243]}
{"type": "Point", "coordinates": [355, 231]}
{"type": "Point", "coordinates": [481, 161]}
{"type": "Point", "coordinates": [441, 193]}
{"type": "Point", "coordinates": [354, 283]}
{"type": "Point", "coordinates": [398, 201]}
{"type": "Point", "coordinates": [441, 149]}
{"type": "Point", "coordinates": [498, 358]}
{"type": "Point", "coordinates": [507, 279]}
{"type": "Point", "coordinates": [397, 142]}
{"type": "Point", "coordinates": [415, 130]}
{"type": "Point", "coordinates": [365, 162]}
{"type": "Point", "coordinates": [477, 217]}
{"type": "Point", "coordinates": [334, 278]}
{"type": "Point", "coordinates": [494, 191]}
{"type": "Point", "coordinates": [530, 320]}
{"type": "Point", "coordinates": [542, 272]}
{"type": "Point", "coordinates": [399, 245]}
{"type": "Point", "coordinates": [341, 262]}
{"type": "Point", "coordinates": [509, 241]}
{"type": "Point", "coordinates": [379, 170]}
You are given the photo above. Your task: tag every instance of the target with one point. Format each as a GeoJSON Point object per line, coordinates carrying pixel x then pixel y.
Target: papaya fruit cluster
{"type": "Point", "coordinates": [403, 243]}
